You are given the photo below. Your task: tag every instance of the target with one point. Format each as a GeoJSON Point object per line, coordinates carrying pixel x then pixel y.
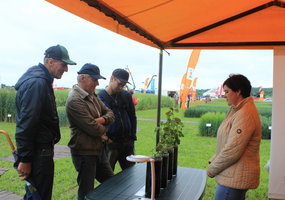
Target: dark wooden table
{"type": "Point", "coordinates": [189, 184]}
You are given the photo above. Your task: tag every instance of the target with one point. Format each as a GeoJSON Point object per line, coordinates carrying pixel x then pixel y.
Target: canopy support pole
{"type": "Point", "coordinates": [159, 96]}
{"type": "Point", "coordinates": [277, 148]}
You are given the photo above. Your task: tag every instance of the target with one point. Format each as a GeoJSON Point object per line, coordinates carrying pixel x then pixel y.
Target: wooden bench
{"type": "Point", "coordinates": [189, 184]}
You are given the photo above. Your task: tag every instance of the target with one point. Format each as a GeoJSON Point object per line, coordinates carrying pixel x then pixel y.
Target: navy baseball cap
{"type": "Point", "coordinates": [91, 70]}
{"type": "Point", "coordinates": [59, 52]}
{"type": "Point", "coordinates": [121, 75]}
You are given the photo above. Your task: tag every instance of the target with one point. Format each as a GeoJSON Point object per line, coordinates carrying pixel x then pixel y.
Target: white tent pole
{"type": "Point", "coordinates": [277, 160]}
{"type": "Point", "coordinates": [159, 95]}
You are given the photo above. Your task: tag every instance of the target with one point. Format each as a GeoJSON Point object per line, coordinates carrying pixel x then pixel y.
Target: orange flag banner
{"type": "Point", "coordinates": [194, 89]}
{"type": "Point", "coordinates": [188, 78]}
{"type": "Point", "coordinates": [182, 89]}
{"type": "Point", "coordinates": [146, 84]}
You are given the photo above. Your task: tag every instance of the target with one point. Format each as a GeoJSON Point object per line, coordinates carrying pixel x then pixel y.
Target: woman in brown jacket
{"type": "Point", "coordinates": [236, 162]}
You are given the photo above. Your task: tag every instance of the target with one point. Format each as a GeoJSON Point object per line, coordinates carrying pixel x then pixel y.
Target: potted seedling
{"type": "Point", "coordinates": [170, 134]}
{"type": "Point", "coordinates": [162, 150]}
{"type": "Point", "coordinates": [158, 157]}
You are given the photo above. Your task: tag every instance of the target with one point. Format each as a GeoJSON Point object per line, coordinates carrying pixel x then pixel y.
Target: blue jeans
{"type": "Point", "coordinates": [227, 193]}
{"type": "Point", "coordinates": [89, 168]}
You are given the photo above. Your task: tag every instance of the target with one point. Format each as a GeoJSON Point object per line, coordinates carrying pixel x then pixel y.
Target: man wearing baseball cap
{"type": "Point", "coordinates": [37, 123]}
{"type": "Point", "coordinates": [88, 118]}
{"type": "Point", "coordinates": [122, 133]}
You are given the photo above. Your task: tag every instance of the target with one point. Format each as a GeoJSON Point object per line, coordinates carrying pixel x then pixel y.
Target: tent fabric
{"type": "Point", "coordinates": [188, 24]}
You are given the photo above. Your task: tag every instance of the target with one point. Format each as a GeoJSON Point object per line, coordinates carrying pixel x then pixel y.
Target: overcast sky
{"type": "Point", "coordinates": [29, 27]}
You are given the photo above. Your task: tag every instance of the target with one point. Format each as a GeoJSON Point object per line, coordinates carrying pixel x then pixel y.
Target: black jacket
{"type": "Point", "coordinates": [125, 125]}
{"type": "Point", "coordinates": [37, 121]}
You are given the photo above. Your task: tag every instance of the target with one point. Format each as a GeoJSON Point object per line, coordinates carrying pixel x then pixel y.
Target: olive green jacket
{"type": "Point", "coordinates": [82, 110]}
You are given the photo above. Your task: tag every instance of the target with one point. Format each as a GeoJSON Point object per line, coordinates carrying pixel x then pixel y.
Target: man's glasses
{"type": "Point", "coordinates": [121, 84]}
{"type": "Point", "coordinates": [62, 64]}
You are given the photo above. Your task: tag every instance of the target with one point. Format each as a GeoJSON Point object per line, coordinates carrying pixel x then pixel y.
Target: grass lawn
{"type": "Point", "coordinates": [194, 152]}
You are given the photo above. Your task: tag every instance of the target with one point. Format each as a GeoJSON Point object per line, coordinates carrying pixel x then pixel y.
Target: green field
{"type": "Point", "coordinates": [194, 152]}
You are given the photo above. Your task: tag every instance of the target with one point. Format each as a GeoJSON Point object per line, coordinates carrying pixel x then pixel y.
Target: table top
{"type": "Point", "coordinates": [189, 184]}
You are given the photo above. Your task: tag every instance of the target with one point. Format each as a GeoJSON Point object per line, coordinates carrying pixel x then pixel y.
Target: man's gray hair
{"type": "Point", "coordinates": [45, 60]}
{"type": "Point", "coordinates": [79, 75]}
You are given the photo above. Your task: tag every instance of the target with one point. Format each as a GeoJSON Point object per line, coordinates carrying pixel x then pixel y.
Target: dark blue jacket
{"type": "Point", "coordinates": [37, 121]}
{"type": "Point", "coordinates": [122, 105]}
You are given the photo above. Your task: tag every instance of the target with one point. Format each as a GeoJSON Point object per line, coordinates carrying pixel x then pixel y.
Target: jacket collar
{"type": "Point", "coordinates": [46, 72]}
{"type": "Point", "coordinates": [83, 94]}
{"type": "Point", "coordinates": [242, 103]}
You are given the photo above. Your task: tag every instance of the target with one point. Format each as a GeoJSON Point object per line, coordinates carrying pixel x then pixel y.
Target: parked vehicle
{"type": "Point", "coordinates": [269, 99]}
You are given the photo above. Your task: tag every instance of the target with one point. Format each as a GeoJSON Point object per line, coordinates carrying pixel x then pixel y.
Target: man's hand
{"type": "Point", "coordinates": [104, 138]}
{"type": "Point", "coordinates": [109, 141]}
{"type": "Point", "coordinates": [100, 120]}
{"type": "Point", "coordinates": [24, 170]}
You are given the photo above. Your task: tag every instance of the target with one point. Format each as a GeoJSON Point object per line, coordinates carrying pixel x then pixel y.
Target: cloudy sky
{"type": "Point", "coordinates": [29, 27]}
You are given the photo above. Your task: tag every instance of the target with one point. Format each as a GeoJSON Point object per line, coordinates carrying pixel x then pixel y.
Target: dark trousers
{"type": "Point", "coordinates": [43, 172]}
{"type": "Point", "coordinates": [118, 151]}
{"type": "Point", "coordinates": [89, 168]}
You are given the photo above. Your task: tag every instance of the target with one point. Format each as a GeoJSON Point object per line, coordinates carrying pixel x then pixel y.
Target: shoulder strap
{"type": "Point", "coordinates": [107, 97]}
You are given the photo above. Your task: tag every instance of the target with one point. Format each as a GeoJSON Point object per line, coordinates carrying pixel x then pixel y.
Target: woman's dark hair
{"type": "Point", "coordinates": [238, 82]}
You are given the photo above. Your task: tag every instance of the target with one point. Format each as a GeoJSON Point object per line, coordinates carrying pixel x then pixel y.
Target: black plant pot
{"type": "Point", "coordinates": [158, 167]}
{"type": "Point", "coordinates": [164, 170]}
{"type": "Point", "coordinates": [170, 164]}
{"type": "Point", "coordinates": [175, 160]}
